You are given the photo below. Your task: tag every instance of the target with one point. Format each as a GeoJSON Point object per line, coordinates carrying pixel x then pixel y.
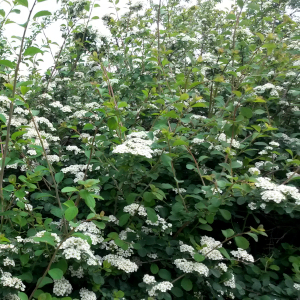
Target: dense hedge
{"type": "Point", "coordinates": [159, 162]}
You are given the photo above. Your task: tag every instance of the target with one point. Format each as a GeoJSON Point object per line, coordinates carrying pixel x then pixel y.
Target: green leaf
{"type": "Point", "coordinates": [228, 233]}
{"type": "Point", "coordinates": [42, 13]}
{"type": "Point", "coordinates": [112, 123]}
{"type": "Point", "coordinates": [205, 227]}
{"type": "Point", "coordinates": [151, 214]}
{"type": "Point", "coordinates": [184, 96]}
{"type": "Point", "coordinates": [262, 38]}
{"type": "Point", "coordinates": [3, 119]}
{"type": "Point", "coordinates": [177, 291]}
{"type": "Point", "coordinates": [199, 257]}
{"type": "Point", "coordinates": [31, 51]}
{"type": "Point", "coordinates": [124, 219]}
{"type": "Point", "coordinates": [166, 160]}
{"type": "Point", "coordinates": [164, 274]}
{"type": "Point", "coordinates": [2, 13]}
{"type": "Point", "coordinates": [186, 284]}
{"type": "Point", "coordinates": [225, 214]}
{"type": "Point", "coordinates": [59, 177]}
{"type": "Point", "coordinates": [7, 63]}
{"type": "Point", "coordinates": [22, 296]}
{"type": "Point", "coordinates": [56, 273]}
{"type": "Point", "coordinates": [69, 189]}
{"type": "Point", "coordinates": [254, 6]}
{"type": "Point", "coordinates": [22, 2]}
{"type": "Point", "coordinates": [88, 198]}
{"type": "Point", "coordinates": [246, 112]}
{"type": "Point", "coordinates": [241, 242]}
{"type": "Point", "coordinates": [71, 213]}
{"type": "Point", "coordinates": [46, 280]}
{"type": "Point", "coordinates": [154, 268]}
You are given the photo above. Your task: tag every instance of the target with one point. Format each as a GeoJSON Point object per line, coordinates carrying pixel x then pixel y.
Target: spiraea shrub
{"type": "Point", "coordinates": [158, 161]}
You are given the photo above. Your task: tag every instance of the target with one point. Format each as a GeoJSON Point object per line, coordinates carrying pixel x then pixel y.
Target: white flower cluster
{"type": "Point", "coordinates": [8, 280]}
{"type": "Point", "coordinates": [230, 283]}
{"type": "Point", "coordinates": [187, 248]}
{"type": "Point", "coordinates": [276, 193]}
{"type": "Point", "coordinates": [136, 144]}
{"type": "Point", "coordinates": [189, 266]}
{"type": "Point", "coordinates": [241, 254]}
{"type": "Point", "coordinates": [254, 171]}
{"type": "Point", "coordinates": [8, 262]}
{"type": "Point", "coordinates": [222, 267]}
{"type": "Point", "coordinates": [198, 141]}
{"type": "Point", "coordinates": [113, 219]}
{"type": "Point", "coordinates": [160, 222]}
{"type": "Point", "coordinates": [134, 208]}
{"type": "Point", "coordinates": [76, 273]}
{"type": "Point", "coordinates": [121, 263]}
{"type": "Point", "coordinates": [297, 286]}
{"type": "Point", "coordinates": [180, 190]}
{"type": "Point", "coordinates": [223, 138]}
{"type": "Point", "coordinates": [62, 287]}
{"type": "Point", "coordinates": [87, 295]}
{"type": "Point", "coordinates": [161, 286]}
{"type": "Point", "coordinates": [75, 149]}
{"type": "Point", "coordinates": [149, 279]}
{"type": "Point", "coordinates": [290, 174]}
{"type": "Point", "coordinates": [252, 205]}
{"type": "Point", "coordinates": [91, 230]}
{"type": "Point", "coordinates": [75, 247]}
{"type": "Point", "coordinates": [209, 244]}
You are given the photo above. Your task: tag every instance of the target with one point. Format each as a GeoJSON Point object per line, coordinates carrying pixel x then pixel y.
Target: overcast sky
{"type": "Point", "coordinates": [53, 32]}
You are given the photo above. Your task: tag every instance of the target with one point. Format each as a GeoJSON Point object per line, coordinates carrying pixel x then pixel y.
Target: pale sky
{"type": "Point", "coordinates": [53, 32]}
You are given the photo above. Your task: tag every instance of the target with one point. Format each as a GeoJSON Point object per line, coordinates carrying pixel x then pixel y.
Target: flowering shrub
{"type": "Point", "coordinates": [158, 162]}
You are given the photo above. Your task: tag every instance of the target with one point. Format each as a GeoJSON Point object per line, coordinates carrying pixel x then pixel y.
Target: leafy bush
{"type": "Point", "coordinates": [159, 162]}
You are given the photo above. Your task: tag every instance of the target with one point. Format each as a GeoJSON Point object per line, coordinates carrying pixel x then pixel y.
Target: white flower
{"type": "Point", "coordinates": [121, 263]}
{"type": "Point", "coordinates": [254, 171]}
{"type": "Point", "coordinates": [8, 262]}
{"type": "Point", "coordinates": [87, 295]}
{"type": "Point", "coordinates": [241, 254]}
{"type": "Point", "coordinates": [62, 287]}
{"type": "Point", "coordinates": [149, 279]}
{"type": "Point", "coordinates": [230, 282]}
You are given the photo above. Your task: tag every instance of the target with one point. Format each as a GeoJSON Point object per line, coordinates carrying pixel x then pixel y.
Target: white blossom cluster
{"type": "Point", "coordinates": [223, 138]}
{"type": "Point", "coordinates": [8, 262]}
{"type": "Point", "coordinates": [77, 248]}
{"type": "Point", "coordinates": [187, 248]}
{"type": "Point", "coordinates": [222, 267]}
{"type": "Point", "coordinates": [160, 222]}
{"type": "Point", "coordinates": [254, 171]}
{"type": "Point", "coordinates": [230, 283]}
{"type": "Point", "coordinates": [79, 273]}
{"type": "Point", "coordinates": [62, 287]}
{"type": "Point", "coordinates": [297, 286]}
{"type": "Point", "coordinates": [136, 144]}
{"type": "Point", "coordinates": [276, 193]}
{"type": "Point", "coordinates": [121, 263]}
{"type": "Point", "coordinates": [163, 286]}
{"type": "Point", "coordinates": [75, 149]}
{"type": "Point", "coordinates": [189, 267]}
{"type": "Point", "coordinates": [135, 208]}
{"type": "Point", "coordinates": [87, 295]}
{"type": "Point", "coordinates": [209, 244]}
{"type": "Point", "coordinates": [148, 279]}
{"type": "Point", "coordinates": [90, 229]}
{"type": "Point", "coordinates": [179, 190]}
{"type": "Point", "coordinates": [8, 280]}
{"type": "Point", "coordinates": [241, 254]}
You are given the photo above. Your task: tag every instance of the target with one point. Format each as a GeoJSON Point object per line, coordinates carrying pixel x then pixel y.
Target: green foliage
{"type": "Point", "coordinates": [151, 163]}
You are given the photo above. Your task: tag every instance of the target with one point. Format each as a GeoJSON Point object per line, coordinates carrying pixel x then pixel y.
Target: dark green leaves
{"type": "Point", "coordinates": [151, 214]}
{"type": "Point", "coordinates": [186, 284]}
{"type": "Point", "coordinates": [59, 177]}
{"type": "Point", "coordinates": [246, 112]}
{"type": "Point", "coordinates": [241, 242]}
